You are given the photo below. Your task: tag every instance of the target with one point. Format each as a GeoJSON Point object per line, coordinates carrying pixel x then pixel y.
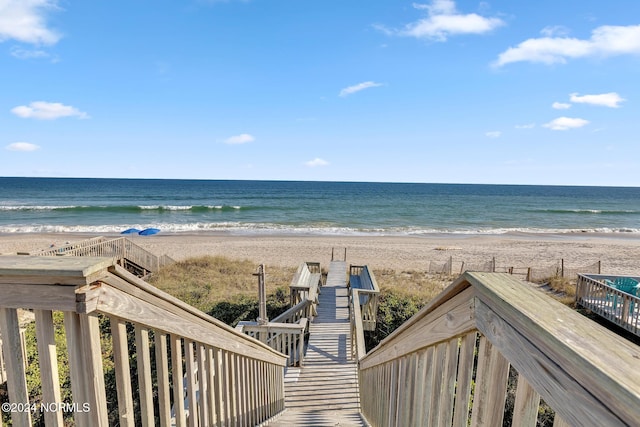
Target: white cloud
{"type": "Point", "coordinates": [22, 146]}
{"type": "Point", "coordinates": [527, 126]}
{"type": "Point", "coordinates": [20, 53]}
{"type": "Point", "coordinates": [357, 88]}
{"type": "Point", "coordinates": [444, 21]}
{"type": "Point", "coordinates": [560, 106]}
{"type": "Point", "coordinates": [47, 111]}
{"type": "Point", "coordinates": [607, 40]}
{"type": "Point", "coordinates": [25, 21]}
{"type": "Point", "coordinates": [243, 138]}
{"type": "Point", "coordinates": [555, 31]}
{"type": "Point", "coordinates": [611, 99]}
{"type": "Point", "coordinates": [566, 123]}
{"type": "Point", "coordinates": [493, 134]}
{"type": "Point", "coordinates": [316, 162]}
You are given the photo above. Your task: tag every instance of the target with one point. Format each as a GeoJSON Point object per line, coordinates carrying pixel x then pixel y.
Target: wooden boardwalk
{"type": "Point", "coordinates": [325, 391]}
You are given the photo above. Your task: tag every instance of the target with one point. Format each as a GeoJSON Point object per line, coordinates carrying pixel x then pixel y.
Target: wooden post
{"type": "Point", "coordinates": [562, 268]}
{"type": "Point", "coordinates": [263, 319]}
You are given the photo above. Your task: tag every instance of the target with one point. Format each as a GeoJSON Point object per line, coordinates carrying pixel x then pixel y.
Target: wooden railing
{"type": "Point", "coordinates": [120, 247]}
{"type": "Point", "coordinates": [305, 285]}
{"type": "Point", "coordinates": [56, 250]}
{"type": "Point", "coordinates": [286, 338]}
{"type": "Point", "coordinates": [358, 348]}
{"type": "Point", "coordinates": [363, 279]}
{"type": "Point", "coordinates": [191, 368]}
{"type": "Point", "coordinates": [619, 307]}
{"type": "Point", "coordinates": [287, 332]}
{"type": "Point", "coordinates": [487, 350]}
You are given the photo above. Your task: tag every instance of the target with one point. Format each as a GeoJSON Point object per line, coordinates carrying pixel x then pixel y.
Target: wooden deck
{"type": "Point", "coordinates": [617, 307]}
{"type": "Point", "coordinates": [325, 391]}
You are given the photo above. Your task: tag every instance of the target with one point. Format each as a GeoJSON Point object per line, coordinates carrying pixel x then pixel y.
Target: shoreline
{"type": "Point", "coordinates": [619, 253]}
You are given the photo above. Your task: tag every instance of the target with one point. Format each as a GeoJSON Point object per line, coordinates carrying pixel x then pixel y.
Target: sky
{"type": "Point", "coordinates": [441, 91]}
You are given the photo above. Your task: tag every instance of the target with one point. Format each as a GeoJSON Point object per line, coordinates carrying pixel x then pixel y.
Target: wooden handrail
{"type": "Point", "coordinates": [119, 247]}
{"type": "Point", "coordinates": [358, 348]}
{"type": "Point", "coordinates": [368, 296]}
{"type": "Point", "coordinates": [87, 289]}
{"type": "Point", "coordinates": [587, 374]}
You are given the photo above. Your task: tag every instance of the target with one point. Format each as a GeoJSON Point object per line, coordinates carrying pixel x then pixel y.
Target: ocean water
{"type": "Point", "coordinates": [30, 205]}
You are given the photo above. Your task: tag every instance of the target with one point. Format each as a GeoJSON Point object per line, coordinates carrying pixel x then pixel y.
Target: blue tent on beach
{"type": "Point", "coordinates": [131, 231]}
{"type": "Point", "coordinates": [149, 231]}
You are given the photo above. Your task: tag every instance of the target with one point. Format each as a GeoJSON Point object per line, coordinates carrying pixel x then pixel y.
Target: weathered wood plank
{"type": "Point", "coordinates": [525, 411]}
{"type": "Point", "coordinates": [189, 349]}
{"type": "Point", "coordinates": [47, 357]}
{"type": "Point", "coordinates": [143, 296]}
{"type": "Point", "coordinates": [491, 386]}
{"type": "Point", "coordinates": [177, 374]}
{"type": "Point", "coordinates": [77, 363]}
{"type": "Point", "coordinates": [598, 360]}
{"type": "Point", "coordinates": [49, 297]}
{"type": "Point", "coordinates": [203, 384]}
{"type": "Point", "coordinates": [162, 374]}
{"type": "Point", "coordinates": [121, 304]}
{"type": "Point", "coordinates": [123, 371]}
{"type": "Point", "coordinates": [145, 384]}
{"type": "Point", "coordinates": [452, 318]}
{"type": "Point", "coordinates": [15, 365]}
{"type": "Point", "coordinates": [573, 400]}
{"type": "Point", "coordinates": [465, 375]}
{"type": "Point", "coordinates": [66, 271]}
{"type": "Point", "coordinates": [94, 374]}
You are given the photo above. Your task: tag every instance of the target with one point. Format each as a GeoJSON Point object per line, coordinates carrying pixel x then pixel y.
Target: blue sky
{"type": "Point", "coordinates": [542, 92]}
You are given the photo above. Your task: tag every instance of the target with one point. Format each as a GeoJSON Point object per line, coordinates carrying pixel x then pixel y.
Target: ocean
{"type": "Point", "coordinates": [37, 205]}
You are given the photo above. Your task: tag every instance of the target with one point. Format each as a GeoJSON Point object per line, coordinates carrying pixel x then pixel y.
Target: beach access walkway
{"type": "Point", "coordinates": [448, 365]}
{"type": "Point", "coordinates": [324, 392]}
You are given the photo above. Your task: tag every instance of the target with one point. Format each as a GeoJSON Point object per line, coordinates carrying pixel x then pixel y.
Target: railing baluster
{"type": "Point", "coordinates": [45, 335]}
{"type": "Point", "coordinates": [162, 371]}
{"type": "Point", "coordinates": [123, 372]}
{"type": "Point", "coordinates": [76, 364]}
{"type": "Point", "coordinates": [145, 385]}
{"type": "Point", "coordinates": [204, 387]}
{"type": "Point", "coordinates": [177, 376]}
{"type": "Point", "coordinates": [491, 385]}
{"type": "Point", "coordinates": [525, 411]}
{"type": "Point", "coordinates": [189, 349]}
{"type": "Point", "coordinates": [93, 375]}
{"type": "Point", "coordinates": [15, 365]}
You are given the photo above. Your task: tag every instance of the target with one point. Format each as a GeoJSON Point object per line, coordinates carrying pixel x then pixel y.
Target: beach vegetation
{"type": "Point", "coordinates": [223, 288]}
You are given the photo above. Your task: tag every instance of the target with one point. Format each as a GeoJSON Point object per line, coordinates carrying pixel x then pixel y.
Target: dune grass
{"type": "Point", "coordinates": [206, 281]}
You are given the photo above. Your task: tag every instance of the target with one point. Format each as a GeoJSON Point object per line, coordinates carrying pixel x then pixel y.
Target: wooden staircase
{"type": "Point", "coordinates": [325, 391]}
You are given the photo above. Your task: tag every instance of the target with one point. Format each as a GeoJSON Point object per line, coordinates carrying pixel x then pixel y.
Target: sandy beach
{"type": "Point", "coordinates": [618, 253]}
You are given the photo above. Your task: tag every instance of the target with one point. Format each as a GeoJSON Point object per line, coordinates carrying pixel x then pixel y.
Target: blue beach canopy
{"type": "Point", "coordinates": [130, 231]}
{"type": "Point", "coordinates": [149, 231]}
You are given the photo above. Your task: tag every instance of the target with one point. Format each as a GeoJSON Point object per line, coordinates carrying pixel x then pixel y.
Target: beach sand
{"type": "Point", "coordinates": [618, 253]}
